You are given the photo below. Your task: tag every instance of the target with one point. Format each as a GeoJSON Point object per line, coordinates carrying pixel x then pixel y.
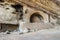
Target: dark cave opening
{"type": "Point", "coordinates": [32, 18]}
{"type": "Point", "coordinates": [19, 9]}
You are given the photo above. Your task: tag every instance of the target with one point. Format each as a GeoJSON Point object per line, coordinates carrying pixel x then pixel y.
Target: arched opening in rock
{"type": "Point", "coordinates": [36, 18]}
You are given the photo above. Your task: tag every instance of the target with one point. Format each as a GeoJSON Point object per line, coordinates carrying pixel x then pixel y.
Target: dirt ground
{"type": "Point", "coordinates": [46, 34]}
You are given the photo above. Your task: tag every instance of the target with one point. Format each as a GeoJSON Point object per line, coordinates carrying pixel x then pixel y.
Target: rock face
{"type": "Point", "coordinates": [29, 11]}
{"type": "Point", "coordinates": [6, 14]}
{"type": "Point", "coordinates": [45, 6]}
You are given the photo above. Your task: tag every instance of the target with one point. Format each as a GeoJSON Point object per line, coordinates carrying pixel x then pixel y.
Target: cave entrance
{"type": "Point", "coordinates": [19, 9]}
{"type": "Point", "coordinates": [36, 18]}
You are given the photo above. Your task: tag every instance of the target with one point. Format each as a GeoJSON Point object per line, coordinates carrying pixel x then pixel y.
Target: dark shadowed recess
{"type": "Point", "coordinates": [35, 15]}
{"type": "Point", "coordinates": [19, 9]}
{"type": "Point", "coordinates": [1, 0]}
